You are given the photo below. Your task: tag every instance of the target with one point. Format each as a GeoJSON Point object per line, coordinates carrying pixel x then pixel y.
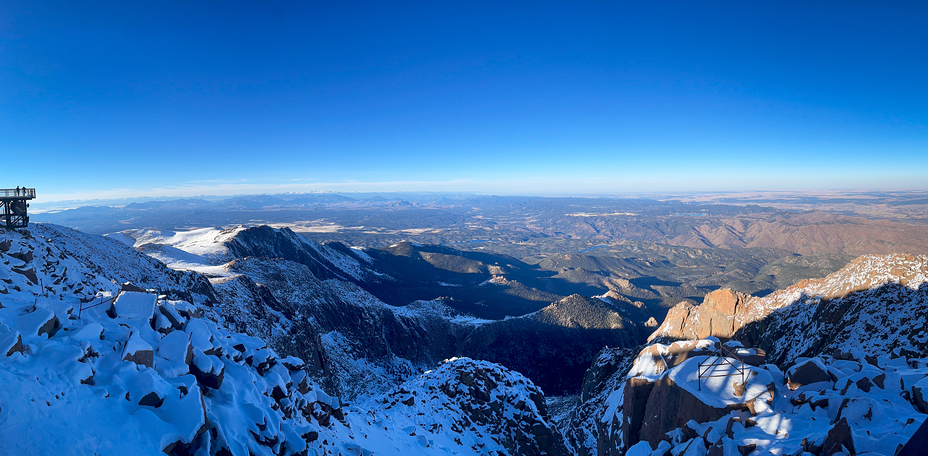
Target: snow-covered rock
{"type": "Point", "coordinates": [821, 405]}
{"type": "Point", "coordinates": [135, 305]}
{"type": "Point", "coordinates": [464, 406]}
{"type": "Point", "coordinates": [877, 303]}
{"type": "Point", "coordinates": [155, 375]}
{"type": "Point", "coordinates": [11, 341]}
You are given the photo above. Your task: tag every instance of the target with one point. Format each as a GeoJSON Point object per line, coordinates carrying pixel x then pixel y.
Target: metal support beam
{"type": "Point", "coordinates": [15, 209]}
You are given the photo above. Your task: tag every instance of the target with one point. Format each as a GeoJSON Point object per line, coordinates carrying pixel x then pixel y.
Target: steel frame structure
{"type": "Point", "coordinates": [15, 209]}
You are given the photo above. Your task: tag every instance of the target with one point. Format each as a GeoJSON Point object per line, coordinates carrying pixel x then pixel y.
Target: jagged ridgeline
{"type": "Point", "coordinates": [93, 366]}
{"type": "Point", "coordinates": [257, 341]}
{"type": "Point", "coordinates": [363, 317]}
{"type": "Point", "coordinates": [371, 318]}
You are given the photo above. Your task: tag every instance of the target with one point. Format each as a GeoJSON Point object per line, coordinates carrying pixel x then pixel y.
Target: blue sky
{"type": "Point", "coordinates": [129, 99]}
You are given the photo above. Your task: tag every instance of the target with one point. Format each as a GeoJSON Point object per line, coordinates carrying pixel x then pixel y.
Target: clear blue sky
{"type": "Point", "coordinates": [166, 98]}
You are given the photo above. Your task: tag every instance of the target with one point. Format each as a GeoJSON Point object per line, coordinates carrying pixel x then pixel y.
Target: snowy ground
{"type": "Point", "coordinates": [144, 374]}
{"type": "Point", "coordinates": [203, 250]}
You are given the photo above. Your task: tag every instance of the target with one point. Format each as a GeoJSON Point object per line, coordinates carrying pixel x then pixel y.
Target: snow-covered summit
{"type": "Point", "coordinates": [209, 250]}
{"type": "Point", "coordinates": [84, 373]}
{"type": "Point", "coordinates": [203, 250]}
{"type": "Point", "coordinates": [91, 365]}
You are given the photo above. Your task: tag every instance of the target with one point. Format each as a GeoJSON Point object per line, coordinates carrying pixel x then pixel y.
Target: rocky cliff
{"type": "Point", "coordinates": [876, 302]}
{"type": "Point", "coordinates": [689, 398]}
{"type": "Point", "coordinates": [838, 367]}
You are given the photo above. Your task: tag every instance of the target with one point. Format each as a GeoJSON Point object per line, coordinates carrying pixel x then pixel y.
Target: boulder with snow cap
{"type": "Point", "coordinates": [29, 274]}
{"type": "Point", "coordinates": [161, 324]}
{"type": "Point", "coordinates": [169, 312]}
{"type": "Point", "coordinates": [262, 360]}
{"type": "Point", "coordinates": [148, 388]}
{"type": "Point", "coordinates": [920, 395]}
{"type": "Point", "coordinates": [201, 336]}
{"type": "Point", "coordinates": [186, 309]}
{"type": "Point", "coordinates": [11, 341]}
{"type": "Point", "coordinates": [671, 406]}
{"type": "Point", "coordinates": [668, 389]}
{"type": "Point", "coordinates": [138, 351]}
{"type": "Point", "coordinates": [190, 416]}
{"type": "Point", "coordinates": [292, 363]}
{"type": "Point", "coordinates": [135, 305]}
{"type": "Point", "coordinates": [807, 372]}
{"type": "Point", "coordinates": [752, 356]}
{"type": "Point", "coordinates": [24, 256]}
{"type": "Point", "coordinates": [839, 440]}
{"type": "Point", "coordinates": [664, 357]}
{"type": "Point", "coordinates": [38, 321]}
{"type": "Point", "coordinates": [176, 346]}
{"type": "Point", "coordinates": [209, 370]}
{"type": "Point", "coordinates": [301, 379]}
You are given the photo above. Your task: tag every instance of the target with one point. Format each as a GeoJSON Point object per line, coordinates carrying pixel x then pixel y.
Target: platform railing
{"type": "Point", "coordinates": [89, 305]}
{"type": "Point", "coordinates": [22, 192]}
{"type": "Point", "coordinates": [720, 358]}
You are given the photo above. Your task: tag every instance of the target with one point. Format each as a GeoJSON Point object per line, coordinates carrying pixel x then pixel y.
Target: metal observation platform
{"type": "Point", "coordinates": [13, 202]}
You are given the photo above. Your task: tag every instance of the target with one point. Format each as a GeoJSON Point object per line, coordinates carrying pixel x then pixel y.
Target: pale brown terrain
{"type": "Point", "coordinates": [809, 233]}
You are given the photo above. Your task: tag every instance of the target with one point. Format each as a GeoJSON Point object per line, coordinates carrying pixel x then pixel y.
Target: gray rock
{"type": "Point", "coordinates": [806, 373]}
{"type": "Point", "coordinates": [838, 439]}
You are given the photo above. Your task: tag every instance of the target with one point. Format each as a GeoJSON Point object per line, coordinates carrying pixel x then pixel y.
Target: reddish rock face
{"type": "Point", "coordinates": [669, 407]}
{"type": "Point", "coordinates": [725, 301]}
{"type": "Point", "coordinates": [714, 317]}
{"type": "Point", "coordinates": [634, 403]}
{"type": "Point", "coordinates": [843, 301]}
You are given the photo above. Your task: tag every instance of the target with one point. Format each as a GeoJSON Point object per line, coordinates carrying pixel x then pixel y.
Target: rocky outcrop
{"type": "Point", "coordinates": [635, 403]}
{"type": "Point", "coordinates": [715, 317]}
{"type": "Point", "coordinates": [655, 404]}
{"type": "Point", "coordinates": [669, 407]}
{"type": "Point", "coordinates": [266, 242]}
{"type": "Point", "coordinates": [484, 401]}
{"type": "Point", "coordinates": [818, 315]}
{"type": "Point", "coordinates": [842, 403]}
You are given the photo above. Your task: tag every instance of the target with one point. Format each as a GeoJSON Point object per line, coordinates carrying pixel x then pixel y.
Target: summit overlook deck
{"type": "Point", "coordinates": [15, 207]}
{"type": "Point", "coordinates": [17, 193]}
